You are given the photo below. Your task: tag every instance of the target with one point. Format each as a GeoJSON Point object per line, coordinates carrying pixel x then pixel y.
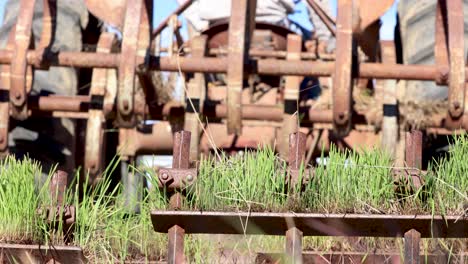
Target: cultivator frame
{"type": "Point", "coordinates": [117, 99]}
{"type": "Point", "coordinates": [176, 222]}
{"type": "Point", "coordinates": [113, 96]}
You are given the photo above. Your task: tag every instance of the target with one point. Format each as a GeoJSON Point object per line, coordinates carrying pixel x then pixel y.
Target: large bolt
{"type": "Point", "coordinates": [189, 177]}
{"type": "Point", "coordinates": [164, 176]}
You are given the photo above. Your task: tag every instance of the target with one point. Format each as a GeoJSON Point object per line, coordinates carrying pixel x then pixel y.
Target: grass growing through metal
{"type": "Point", "coordinates": [359, 182]}
{"type": "Point", "coordinates": [19, 201]}
{"type": "Point", "coordinates": [448, 182]}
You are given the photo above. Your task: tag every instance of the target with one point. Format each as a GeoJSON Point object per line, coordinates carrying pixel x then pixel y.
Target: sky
{"type": "Point", "coordinates": [165, 7]}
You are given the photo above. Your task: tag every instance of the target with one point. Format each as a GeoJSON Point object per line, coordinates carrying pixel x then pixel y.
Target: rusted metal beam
{"type": "Point", "coordinates": [93, 160]}
{"type": "Point", "coordinates": [349, 257]}
{"type": "Point", "coordinates": [456, 48]}
{"type": "Point", "coordinates": [413, 156]}
{"type": "Point", "coordinates": [18, 69]}
{"type": "Point", "coordinates": [195, 98]}
{"type": "Point", "coordinates": [128, 63]}
{"type": "Point", "coordinates": [342, 86]}
{"type": "Point", "coordinates": [294, 246]}
{"type": "Point", "coordinates": [14, 253]}
{"type": "Point", "coordinates": [390, 126]}
{"type": "Point", "coordinates": [241, 25]}
{"type": "Point", "coordinates": [219, 65]}
{"type": "Point", "coordinates": [311, 224]}
{"type": "Point", "coordinates": [291, 96]}
{"type": "Point", "coordinates": [412, 244]}
{"type": "Point", "coordinates": [180, 160]}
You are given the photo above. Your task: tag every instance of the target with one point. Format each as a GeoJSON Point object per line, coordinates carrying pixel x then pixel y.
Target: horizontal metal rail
{"type": "Point", "coordinates": [20, 253]}
{"type": "Point", "coordinates": [256, 223]}
{"type": "Point", "coordinates": [317, 257]}
{"type": "Point", "coordinates": [219, 65]}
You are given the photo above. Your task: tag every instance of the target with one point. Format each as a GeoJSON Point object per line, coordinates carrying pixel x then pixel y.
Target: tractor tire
{"type": "Point", "coordinates": [416, 29]}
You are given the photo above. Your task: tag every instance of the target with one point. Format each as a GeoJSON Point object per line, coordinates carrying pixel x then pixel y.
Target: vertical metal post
{"type": "Point", "coordinates": [181, 152]}
{"type": "Point", "coordinates": [342, 87]}
{"type": "Point", "coordinates": [456, 46]}
{"type": "Point", "coordinates": [291, 95]}
{"type": "Point", "coordinates": [241, 26]}
{"type": "Point", "coordinates": [412, 238]}
{"type": "Point", "coordinates": [58, 187]}
{"type": "Point", "coordinates": [390, 129]}
{"type": "Point", "coordinates": [297, 142]}
{"type": "Point", "coordinates": [294, 246]}
{"type": "Point", "coordinates": [414, 149]}
{"type": "Point", "coordinates": [413, 154]}
{"type": "Point", "coordinates": [194, 98]}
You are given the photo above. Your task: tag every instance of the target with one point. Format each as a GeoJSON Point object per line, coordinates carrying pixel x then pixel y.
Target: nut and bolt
{"type": "Point", "coordinates": [164, 176]}
{"type": "Point", "coordinates": [189, 177]}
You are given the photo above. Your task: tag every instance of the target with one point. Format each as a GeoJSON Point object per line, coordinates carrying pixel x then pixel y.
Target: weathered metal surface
{"type": "Point", "coordinates": [342, 87]}
{"type": "Point", "coordinates": [176, 178]}
{"type": "Point", "coordinates": [18, 69]}
{"type": "Point", "coordinates": [128, 63]}
{"type": "Point", "coordinates": [180, 161]}
{"type": "Point", "coordinates": [390, 126]}
{"type": "Point", "coordinates": [219, 65]}
{"type": "Point", "coordinates": [16, 253]}
{"type": "Point", "coordinates": [297, 148]}
{"type": "Point", "coordinates": [195, 98]}
{"type": "Point", "coordinates": [456, 47]}
{"type": "Point", "coordinates": [241, 25]}
{"type": "Point", "coordinates": [5, 100]}
{"type": "Point", "coordinates": [440, 46]}
{"type": "Point", "coordinates": [94, 141]}
{"type": "Point", "coordinates": [310, 224]}
{"type": "Point", "coordinates": [58, 187]}
{"type": "Point", "coordinates": [175, 253]}
{"type": "Point", "coordinates": [294, 246]}
{"type": "Point", "coordinates": [346, 257]}
{"type": "Point", "coordinates": [291, 96]}
{"type": "Point", "coordinates": [413, 156]}
{"type": "Point", "coordinates": [412, 244]}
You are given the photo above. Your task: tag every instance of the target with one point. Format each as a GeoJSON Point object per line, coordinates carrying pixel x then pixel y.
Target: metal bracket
{"type": "Point", "coordinates": [456, 46]}
{"type": "Point", "coordinates": [95, 124]}
{"type": "Point", "coordinates": [128, 63]}
{"type": "Point", "coordinates": [19, 65]}
{"type": "Point", "coordinates": [241, 26]}
{"type": "Point", "coordinates": [342, 86]}
{"type": "Point", "coordinates": [176, 178]}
